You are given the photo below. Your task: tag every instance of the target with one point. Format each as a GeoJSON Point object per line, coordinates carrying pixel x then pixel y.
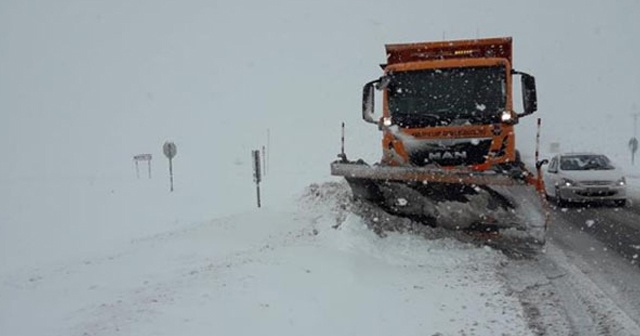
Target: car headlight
{"type": "Point", "coordinates": [622, 181]}
{"type": "Point", "coordinates": [568, 182]}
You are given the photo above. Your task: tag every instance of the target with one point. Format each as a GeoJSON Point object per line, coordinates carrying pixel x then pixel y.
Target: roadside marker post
{"type": "Point", "coordinates": [257, 172]}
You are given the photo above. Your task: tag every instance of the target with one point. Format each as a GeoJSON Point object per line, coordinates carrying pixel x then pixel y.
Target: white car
{"type": "Point", "coordinates": [584, 178]}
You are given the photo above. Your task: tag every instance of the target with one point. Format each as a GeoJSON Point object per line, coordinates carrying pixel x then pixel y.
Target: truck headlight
{"type": "Point", "coordinates": [622, 181]}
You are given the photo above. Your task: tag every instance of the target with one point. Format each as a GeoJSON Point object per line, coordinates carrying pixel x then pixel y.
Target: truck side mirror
{"type": "Point", "coordinates": [368, 102]}
{"type": "Point", "coordinates": [529, 96]}
{"type": "Point", "coordinates": [368, 98]}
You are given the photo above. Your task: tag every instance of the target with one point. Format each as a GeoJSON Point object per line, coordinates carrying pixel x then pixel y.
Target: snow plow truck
{"type": "Point", "coordinates": [449, 155]}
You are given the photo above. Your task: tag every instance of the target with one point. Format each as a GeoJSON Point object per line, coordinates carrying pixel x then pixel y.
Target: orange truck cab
{"type": "Point", "coordinates": [449, 104]}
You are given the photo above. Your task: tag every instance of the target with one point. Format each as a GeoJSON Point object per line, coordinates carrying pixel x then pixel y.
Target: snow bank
{"type": "Point", "coordinates": [316, 270]}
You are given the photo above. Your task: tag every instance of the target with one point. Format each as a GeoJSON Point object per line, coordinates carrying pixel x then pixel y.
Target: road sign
{"type": "Point", "coordinates": [142, 157]}
{"type": "Point", "coordinates": [633, 144]}
{"type": "Point", "coordinates": [169, 149]}
{"type": "Point", "coordinates": [633, 147]}
{"type": "Point", "coordinates": [257, 173]}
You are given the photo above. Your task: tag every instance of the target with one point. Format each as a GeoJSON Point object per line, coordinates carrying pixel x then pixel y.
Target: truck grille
{"type": "Point", "coordinates": [460, 154]}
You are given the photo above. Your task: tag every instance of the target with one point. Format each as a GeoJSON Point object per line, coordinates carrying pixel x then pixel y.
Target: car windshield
{"type": "Point", "coordinates": [585, 162]}
{"type": "Point", "coordinates": [434, 97]}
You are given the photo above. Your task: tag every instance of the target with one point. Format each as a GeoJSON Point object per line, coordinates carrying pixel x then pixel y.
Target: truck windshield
{"type": "Point", "coordinates": [447, 96]}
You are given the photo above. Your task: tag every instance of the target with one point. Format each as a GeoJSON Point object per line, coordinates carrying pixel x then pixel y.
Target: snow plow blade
{"type": "Point", "coordinates": [498, 205]}
{"type": "Point", "coordinates": [387, 173]}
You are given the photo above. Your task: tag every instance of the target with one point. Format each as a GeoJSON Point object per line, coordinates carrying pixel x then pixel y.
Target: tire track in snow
{"type": "Point", "coordinates": [578, 281]}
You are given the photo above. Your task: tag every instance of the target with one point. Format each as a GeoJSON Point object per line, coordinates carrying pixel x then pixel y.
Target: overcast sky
{"type": "Point", "coordinates": [84, 85]}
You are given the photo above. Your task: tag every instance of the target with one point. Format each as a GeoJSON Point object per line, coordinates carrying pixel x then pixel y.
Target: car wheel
{"type": "Point", "coordinates": [559, 201]}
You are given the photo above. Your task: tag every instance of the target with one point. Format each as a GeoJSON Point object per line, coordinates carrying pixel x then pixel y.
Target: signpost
{"type": "Point", "coordinates": [142, 157]}
{"type": "Point", "coordinates": [170, 151]}
{"type": "Point", "coordinates": [257, 173]}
